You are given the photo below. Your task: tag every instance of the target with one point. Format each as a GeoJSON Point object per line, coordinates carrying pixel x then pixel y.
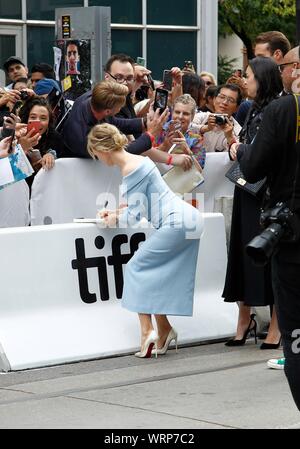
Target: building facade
{"type": "Point", "coordinates": [165, 33]}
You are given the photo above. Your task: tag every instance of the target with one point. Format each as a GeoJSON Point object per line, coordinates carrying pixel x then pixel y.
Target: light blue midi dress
{"type": "Point", "coordinates": [160, 277]}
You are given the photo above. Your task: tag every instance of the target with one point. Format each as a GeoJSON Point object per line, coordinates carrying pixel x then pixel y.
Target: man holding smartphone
{"type": "Point", "coordinates": [101, 105]}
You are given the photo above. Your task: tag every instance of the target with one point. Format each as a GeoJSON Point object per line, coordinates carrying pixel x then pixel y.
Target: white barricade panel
{"type": "Point", "coordinates": [216, 184]}
{"type": "Point", "coordinates": [61, 288]}
{"type": "Point", "coordinates": [14, 205]}
{"type": "Point", "coordinates": [70, 190]}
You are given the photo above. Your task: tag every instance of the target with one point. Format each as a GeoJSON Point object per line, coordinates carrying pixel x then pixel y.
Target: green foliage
{"type": "Point", "coordinates": [248, 18]}
{"type": "Point", "coordinates": [226, 67]}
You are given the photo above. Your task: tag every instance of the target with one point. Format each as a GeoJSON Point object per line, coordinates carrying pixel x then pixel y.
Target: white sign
{"type": "Point", "coordinates": [61, 289]}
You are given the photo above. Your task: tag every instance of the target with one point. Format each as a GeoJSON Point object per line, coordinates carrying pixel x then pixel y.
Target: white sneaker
{"type": "Point", "coordinates": [276, 363]}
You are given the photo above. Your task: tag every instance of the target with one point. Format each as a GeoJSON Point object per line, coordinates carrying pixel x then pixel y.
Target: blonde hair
{"type": "Point", "coordinates": [108, 95]}
{"type": "Point", "coordinates": [210, 75]}
{"type": "Point", "coordinates": [105, 138]}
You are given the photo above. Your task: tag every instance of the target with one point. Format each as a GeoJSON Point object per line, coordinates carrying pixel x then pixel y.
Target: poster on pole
{"type": "Point", "coordinates": [75, 67]}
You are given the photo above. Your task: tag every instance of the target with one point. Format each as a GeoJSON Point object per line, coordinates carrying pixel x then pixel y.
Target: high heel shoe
{"type": "Point", "coordinates": [270, 345]}
{"type": "Point", "coordinates": [146, 350]}
{"type": "Point", "coordinates": [241, 342]}
{"type": "Point", "coordinates": [172, 335]}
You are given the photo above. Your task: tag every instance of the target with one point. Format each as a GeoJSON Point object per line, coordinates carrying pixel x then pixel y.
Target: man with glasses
{"type": "Point", "coordinates": [289, 69]}
{"type": "Point", "coordinates": [120, 68]}
{"type": "Point", "coordinates": [217, 137]}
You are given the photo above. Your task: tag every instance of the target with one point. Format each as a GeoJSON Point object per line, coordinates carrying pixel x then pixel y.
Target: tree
{"type": "Point", "coordinates": [248, 18]}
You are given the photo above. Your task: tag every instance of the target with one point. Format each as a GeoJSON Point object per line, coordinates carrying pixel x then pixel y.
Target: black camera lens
{"type": "Point", "coordinates": [261, 248]}
{"type": "Point", "coordinates": [220, 120]}
{"type": "Point", "coordinates": [24, 95]}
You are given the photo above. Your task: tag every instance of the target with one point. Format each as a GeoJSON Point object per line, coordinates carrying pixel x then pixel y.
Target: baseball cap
{"type": "Point", "coordinates": [12, 60]}
{"type": "Point", "coordinates": [45, 86]}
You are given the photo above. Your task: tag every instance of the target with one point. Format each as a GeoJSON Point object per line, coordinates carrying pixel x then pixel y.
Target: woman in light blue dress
{"type": "Point", "coordinates": [160, 277]}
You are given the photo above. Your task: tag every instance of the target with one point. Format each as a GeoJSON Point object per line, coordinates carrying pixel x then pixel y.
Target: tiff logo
{"type": "Point", "coordinates": [117, 260]}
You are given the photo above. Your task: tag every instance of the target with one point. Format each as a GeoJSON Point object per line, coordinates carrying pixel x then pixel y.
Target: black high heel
{"type": "Point", "coordinates": [241, 342]}
{"type": "Point", "coordinates": [270, 345]}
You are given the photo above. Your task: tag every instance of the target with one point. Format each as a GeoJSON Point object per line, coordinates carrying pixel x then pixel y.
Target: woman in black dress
{"type": "Point", "coordinates": [245, 283]}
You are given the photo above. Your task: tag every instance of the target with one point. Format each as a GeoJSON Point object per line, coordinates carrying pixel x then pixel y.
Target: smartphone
{"type": "Point", "coordinates": [167, 80]}
{"type": "Point", "coordinates": [34, 156]}
{"type": "Point", "coordinates": [11, 148]}
{"type": "Point", "coordinates": [35, 124]}
{"type": "Point", "coordinates": [141, 61]}
{"type": "Point", "coordinates": [161, 100]}
{"type": "Point", "coordinates": [6, 132]}
{"type": "Point", "coordinates": [174, 125]}
{"type": "Point", "coordinates": [189, 65]}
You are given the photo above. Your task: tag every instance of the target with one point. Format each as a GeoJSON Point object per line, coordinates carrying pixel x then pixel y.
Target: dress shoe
{"type": "Point", "coordinates": [172, 335]}
{"type": "Point", "coordinates": [146, 350]}
{"type": "Point", "coordinates": [242, 341]}
{"type": "Point", "coordinates": [270, 345]}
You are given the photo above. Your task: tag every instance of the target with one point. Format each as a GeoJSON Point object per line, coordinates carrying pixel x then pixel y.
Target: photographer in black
{"type": "Point", "coordinates": [275, 155]}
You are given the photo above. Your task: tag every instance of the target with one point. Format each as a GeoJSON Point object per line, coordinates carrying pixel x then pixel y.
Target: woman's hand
{"type": "Point", "coordinates": [233, 151]}
{"type": "Point", "coordinates": [180, 141]}
{"type": "Point", "coordinates": [48, 161]}
{"type": "Point", "coordinates": [110, 217]}
{"type": "Point", "coordinates": [168, 141]}
{"type": "Point", "coordinates": [4, 147]}
{"type": "Point", "coordinates": [182, 160]}
{"type": "Point", "coordinates": [30, 140]}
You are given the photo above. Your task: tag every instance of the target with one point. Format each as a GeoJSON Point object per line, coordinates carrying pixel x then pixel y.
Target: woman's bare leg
{"type": "Point", "coordinates": [146, 326]}
{"type": "Point", "coordinates": [243, 320]}
{"type": "Point", "coordinates": [274, 334]}
{"type": "Point", "coordinates": [163, 329]}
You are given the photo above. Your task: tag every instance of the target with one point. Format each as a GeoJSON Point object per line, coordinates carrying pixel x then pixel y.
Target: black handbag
{"type": "Point", "coordinates": [235, 175]}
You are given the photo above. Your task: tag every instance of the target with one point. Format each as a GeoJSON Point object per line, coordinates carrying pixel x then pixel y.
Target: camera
{"type": "Point", "coordinates": [280, 223]}
{"type": "Point", "coordinates": [142, 93]}
{"type": "Point", "coordinates": [24, 95]}
{"type": "Point", "coordinates": [221, 119]}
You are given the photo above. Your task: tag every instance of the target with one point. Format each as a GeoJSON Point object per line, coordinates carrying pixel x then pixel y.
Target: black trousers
{"type": "Point", "coordinates": [286, 286]}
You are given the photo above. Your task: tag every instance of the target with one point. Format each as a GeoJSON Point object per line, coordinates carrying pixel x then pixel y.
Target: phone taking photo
{"type": "Point", "coordinates": [36, 125]}
{"type": "Point", "coordinates": [167, 80]}
{"type": "Point", "coordinates": [161, 100]}
{"type": "Point", "coordinates": [11, 148]}
{"type": "Point", "coordinates": [174, 125]}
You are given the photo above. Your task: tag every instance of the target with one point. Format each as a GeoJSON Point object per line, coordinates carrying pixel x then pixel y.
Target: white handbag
{"type": "Point", "coordinates": [180, 181]}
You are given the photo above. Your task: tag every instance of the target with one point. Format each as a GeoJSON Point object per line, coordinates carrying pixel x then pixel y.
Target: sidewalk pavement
{"type": "Point", "coordinates": [202, 387]}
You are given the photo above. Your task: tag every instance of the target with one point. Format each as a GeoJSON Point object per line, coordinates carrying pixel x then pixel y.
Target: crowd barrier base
{"type": "Point", "coordinates": [59, 289]}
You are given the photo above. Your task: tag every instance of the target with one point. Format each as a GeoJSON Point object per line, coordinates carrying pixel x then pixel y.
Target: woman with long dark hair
{"type": "Point", "coordinates": [49, 141]}
{"type": "Point", "coordinates": [245, 283]}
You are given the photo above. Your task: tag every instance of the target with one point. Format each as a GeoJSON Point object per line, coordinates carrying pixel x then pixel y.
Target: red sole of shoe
{"type": "Point", "coordinates": [149, 352]}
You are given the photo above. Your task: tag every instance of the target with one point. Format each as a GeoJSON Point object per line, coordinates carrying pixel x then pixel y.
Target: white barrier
{"type": "Point", "coordinates": [48, 317]}
{"type": "Point", "coordinates": [14, 205]}
{"type": "Point", "coordinates": [70, 189]}
{"type": "Point", "coordinates": [216, 185]}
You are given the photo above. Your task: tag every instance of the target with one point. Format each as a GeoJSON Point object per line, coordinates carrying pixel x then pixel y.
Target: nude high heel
{"type": "Point", "coordinates": [171, 336]}
{"type": "Point", "coordinates": [147, 349]}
